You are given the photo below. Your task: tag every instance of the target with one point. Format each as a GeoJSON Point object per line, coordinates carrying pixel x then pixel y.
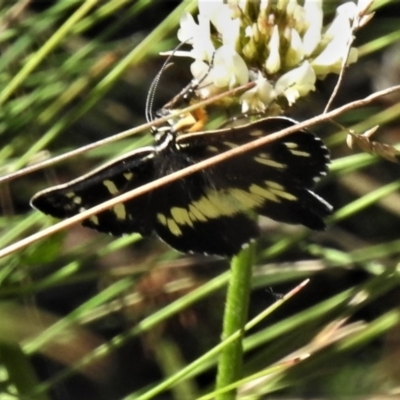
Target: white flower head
{"type": "Point", "coordinates": [281, 45]}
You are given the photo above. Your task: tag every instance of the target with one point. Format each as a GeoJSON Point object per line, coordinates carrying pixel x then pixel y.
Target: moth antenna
{"type": "Point", "coordinates": [154, 84]}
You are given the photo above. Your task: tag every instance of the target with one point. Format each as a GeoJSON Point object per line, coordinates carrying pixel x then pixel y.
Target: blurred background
{"type": "Point", "coordinates": [87, 316]}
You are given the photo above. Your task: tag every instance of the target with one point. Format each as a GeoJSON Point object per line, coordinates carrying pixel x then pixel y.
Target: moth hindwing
{"type": "Point", "coordinates": [209, 211]}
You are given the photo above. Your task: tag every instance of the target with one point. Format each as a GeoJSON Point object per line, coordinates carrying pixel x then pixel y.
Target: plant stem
{"type": "Point", "coordinates": [235, 316]}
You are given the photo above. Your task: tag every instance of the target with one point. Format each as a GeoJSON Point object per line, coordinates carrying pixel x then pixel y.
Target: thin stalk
{"type": "Point", "coordinates": [235, 316]}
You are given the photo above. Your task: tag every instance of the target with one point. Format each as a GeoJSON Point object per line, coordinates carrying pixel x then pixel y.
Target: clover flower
{"type": "Point", "coordinates": [280, 45]}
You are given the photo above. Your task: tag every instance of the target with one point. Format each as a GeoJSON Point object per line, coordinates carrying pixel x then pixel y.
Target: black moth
{"type": "Point", "coordinates": [211, 211]}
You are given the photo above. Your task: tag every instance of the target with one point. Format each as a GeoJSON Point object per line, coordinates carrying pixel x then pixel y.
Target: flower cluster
{"type": "Point", "coordinates": [280, 45]}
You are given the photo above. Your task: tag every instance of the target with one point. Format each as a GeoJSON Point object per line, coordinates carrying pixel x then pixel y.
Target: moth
{"type": "Point", "coordinates": [211, 211]}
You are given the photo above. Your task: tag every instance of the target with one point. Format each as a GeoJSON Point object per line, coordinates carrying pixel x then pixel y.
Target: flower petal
{"type": "Point", "coordinates": [296, 83]}
{"type": "Point", "coordinates": [259, 97]}
{"type": "Point", "coordinates": [273, 62]}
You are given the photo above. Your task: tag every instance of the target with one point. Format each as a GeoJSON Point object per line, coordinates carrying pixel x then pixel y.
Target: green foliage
{"type": "Point", "coordinates": [70, 75]}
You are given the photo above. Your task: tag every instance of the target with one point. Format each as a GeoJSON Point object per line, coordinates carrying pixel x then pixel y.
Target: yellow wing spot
{"type": "Point", "coordinates": [181, 216]}
{"type": "Point", "coordinates": [128, 176]}
{"type": "Point", "coordinates": [77, 200]}
{"type": "Point", "coordinates": [94, 219]}
{"type": "Point", "coordinates": [120, 211]}
{"type": "Point", "coordinates": [173, 227]}
{"type": "Point", "coordinates": [246, 199]}
{"type": "Point", "coordinates": [274, 185]}
{"type": "Point", "coordinates": [110, 187]}
{"type": "Point", "coordinates": [212, 148]}
{"type": "Point", "coordinates": [256, 133]}
{"type": "Point", "coordinates": [195, 213]}
{"type": "Point", "coordinates": [300, 153]}
{"type": "Point", "coordinates": [267, 194]}
{"type": "Point", "coordinates": [291, 145]}
{"type": "Point", "coordinates": [269, 162]}
{"type": "Point", "coordinates": [205, 206]}
{"type": "Point", "coordinates": [70, 195]}
{"type": "Point", "coordinates": [222, 202]}
{"type": "Point", "coordinates": [162, 219]}
{"type": "Point", "coordinates": [284, 195]}
{"type": "Point", "coordinates": [230, 144]}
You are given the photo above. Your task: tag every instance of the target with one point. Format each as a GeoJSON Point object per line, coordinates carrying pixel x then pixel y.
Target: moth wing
{"type": "Point", "coordinates": [191, 216]}
{"type": "Point", "coordinates": [118, 177]}
{"type": "Point", "coordinates": [274, 180]}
